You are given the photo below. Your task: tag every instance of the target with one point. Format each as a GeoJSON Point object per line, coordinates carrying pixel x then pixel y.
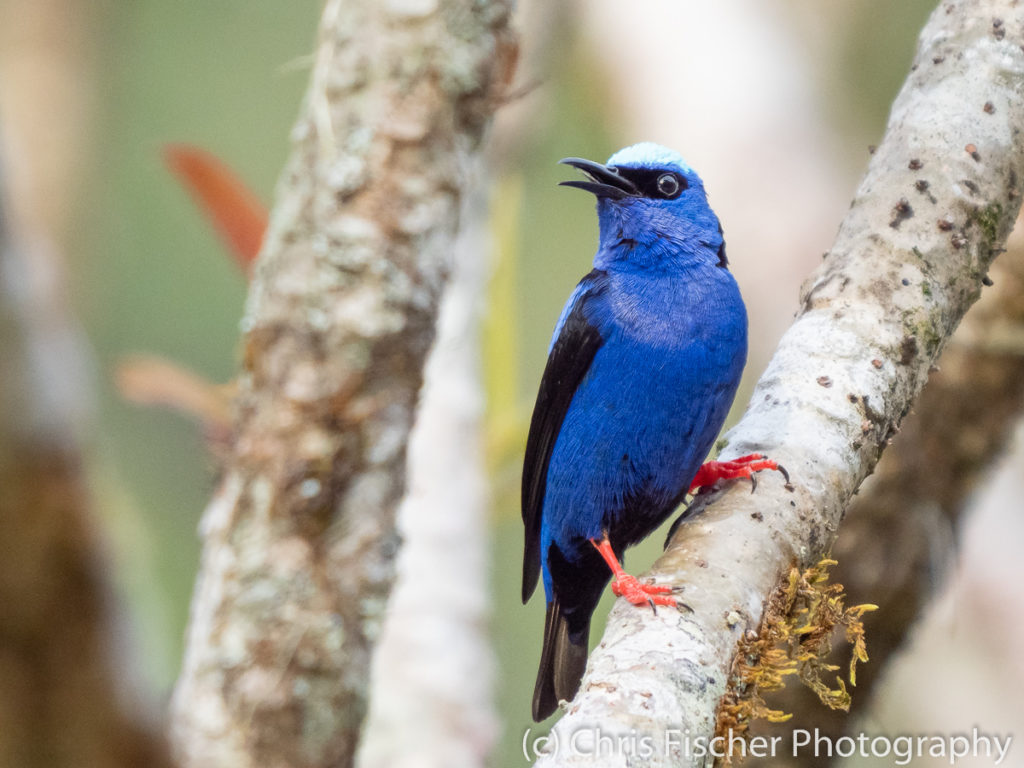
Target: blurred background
{"type": "Point", "coordinates": [775, 104]}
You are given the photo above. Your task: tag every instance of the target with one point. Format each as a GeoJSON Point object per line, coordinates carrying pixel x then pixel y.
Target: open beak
{"type": "Point", "coordinates": [605, 181]}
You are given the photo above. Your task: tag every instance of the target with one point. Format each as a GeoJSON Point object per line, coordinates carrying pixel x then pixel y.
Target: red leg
{"type": "Point", "coordinates": [745, 466]}
{"type": "Point", "coordinates": [630, 587]}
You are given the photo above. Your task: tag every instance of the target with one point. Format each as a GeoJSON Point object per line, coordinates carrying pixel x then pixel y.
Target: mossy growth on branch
{"type": "Point", "coordinates": [988, 219]}
{"type": "Point", "coordinates": [795, 638]}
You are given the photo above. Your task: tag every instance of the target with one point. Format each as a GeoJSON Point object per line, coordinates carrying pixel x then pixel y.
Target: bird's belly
{"type": "Point", "coordinates": [635, 434]}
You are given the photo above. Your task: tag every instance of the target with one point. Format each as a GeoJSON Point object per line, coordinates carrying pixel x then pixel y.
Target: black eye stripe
{"type": "Point", "coordinates": [646, 180]}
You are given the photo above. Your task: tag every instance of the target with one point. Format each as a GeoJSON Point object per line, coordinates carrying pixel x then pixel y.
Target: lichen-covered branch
{"type": "Point", "coordinates": [934, 208]}
{"type": "Point", "coordinates": [902, 527]}
{"type": "Point", "coordinates": [432, 687]}
{"type": "Point", "coordinates": [300, 540]}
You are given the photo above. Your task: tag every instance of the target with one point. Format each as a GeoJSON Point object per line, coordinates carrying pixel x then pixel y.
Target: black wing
{"type": "Point", "coordinates": [576, 342]}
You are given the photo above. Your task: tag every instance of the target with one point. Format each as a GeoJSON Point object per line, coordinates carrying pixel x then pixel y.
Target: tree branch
{"type": "Point", "coordinates": [963, 420]}
{"type": "Point", "coordinates": [60, 700]}
{"type": "Point", "coordinates": [432, 697]}
{"type": "Point", "coordinates": [299, 538]}
{"type": "Point", "coordinates": [938, 199]}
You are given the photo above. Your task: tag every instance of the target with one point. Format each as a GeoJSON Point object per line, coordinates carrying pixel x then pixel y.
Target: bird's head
{"type": "Point", "coordinates": [651, 205]}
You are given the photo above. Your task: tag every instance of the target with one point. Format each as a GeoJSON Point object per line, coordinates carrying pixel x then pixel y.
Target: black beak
{"type": "Point", "coordinates": [606, 181]}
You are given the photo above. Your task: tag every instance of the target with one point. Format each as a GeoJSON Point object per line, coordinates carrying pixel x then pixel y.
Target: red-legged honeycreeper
{"type": "Point", "coordinates": [642, 369]}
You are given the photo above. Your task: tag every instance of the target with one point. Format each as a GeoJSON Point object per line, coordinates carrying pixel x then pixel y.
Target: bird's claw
{"type": "Point", "coordinates": [638, 593]}
{"type": "Point", "coordinates": [744, 466]}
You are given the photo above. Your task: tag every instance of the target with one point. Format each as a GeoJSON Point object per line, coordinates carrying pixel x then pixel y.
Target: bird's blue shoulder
{"type": "Point", "coordinates": [579, 305]}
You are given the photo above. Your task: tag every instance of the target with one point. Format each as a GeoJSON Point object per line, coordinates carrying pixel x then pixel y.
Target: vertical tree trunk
{"type": "Point", "coordinates": [432, 701]}
{"type": "Point", "coordinates": [300, 538]}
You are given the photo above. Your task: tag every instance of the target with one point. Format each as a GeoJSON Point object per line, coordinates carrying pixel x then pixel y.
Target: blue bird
{"type": "Point", "coordinates": [642, 369]}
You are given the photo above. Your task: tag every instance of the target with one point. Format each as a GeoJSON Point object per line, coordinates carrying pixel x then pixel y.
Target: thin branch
{"type": "Point", "coordinates": [300, 538]}
{"type": "Point", "coordinates": [61, 703]}
{"type": "Point", "coordinates": [907, 263]}
{"type": "Point", "coordinates": [432, 695]}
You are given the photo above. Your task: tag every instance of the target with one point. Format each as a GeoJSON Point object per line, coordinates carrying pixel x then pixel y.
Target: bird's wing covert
{"type": "Point", "coordinates": [575, 342]}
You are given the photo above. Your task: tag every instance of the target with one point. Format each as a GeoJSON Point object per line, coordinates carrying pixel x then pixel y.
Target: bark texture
{"type": "Point", "coordinates": [934, 208]}
{"type": "Point", "coordinates": [299, 538]}
{"type": "Point", "coordinates": [898, 542]}
{"type": "Point", "coordinates": [432, 701]}
{"type": "Point", "coordinates": [60, 701]}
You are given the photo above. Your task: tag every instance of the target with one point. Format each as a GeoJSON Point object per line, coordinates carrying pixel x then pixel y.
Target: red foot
{"type": "Point", "coordinates": [638, 593]}
{"type": "Point", "coordinates": [630, 587]}
{"type": "Point", "coordinates": [745, 466]}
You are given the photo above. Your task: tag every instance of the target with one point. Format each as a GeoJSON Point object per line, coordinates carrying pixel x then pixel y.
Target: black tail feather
{"type": "Point", "coordinates": [562, 662]}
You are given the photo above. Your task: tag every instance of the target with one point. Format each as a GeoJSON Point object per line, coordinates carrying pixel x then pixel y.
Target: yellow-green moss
{"type": "Point", "coordinates": [988, 220]}
{"type": "Point", "coordinates": [795, 638]}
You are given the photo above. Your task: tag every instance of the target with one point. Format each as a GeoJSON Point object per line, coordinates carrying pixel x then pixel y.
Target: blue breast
{"type": "Point", "coordinates": [649, 408]}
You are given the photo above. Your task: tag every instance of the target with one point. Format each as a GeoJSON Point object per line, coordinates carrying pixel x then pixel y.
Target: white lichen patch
{"type": "Point", "coordinates": [411, 9]}
{"type": "Point", "coordinates": [366, 311]}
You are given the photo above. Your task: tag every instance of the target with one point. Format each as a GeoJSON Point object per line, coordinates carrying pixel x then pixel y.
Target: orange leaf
{"type": "Point", "coordinates": [237, 214]}
{"type": "Point", "coordinates": [151, 380]}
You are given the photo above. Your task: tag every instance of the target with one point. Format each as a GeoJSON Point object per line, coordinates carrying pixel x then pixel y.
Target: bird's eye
{"type": "Point", "coordinates": [669, 185]}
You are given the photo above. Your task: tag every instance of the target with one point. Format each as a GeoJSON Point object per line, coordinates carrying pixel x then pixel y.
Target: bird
{"type": "Point", "coordinates": [642, 368]}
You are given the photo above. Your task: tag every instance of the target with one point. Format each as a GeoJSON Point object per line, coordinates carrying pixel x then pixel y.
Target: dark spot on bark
{"type": "Point", "coordinates": [986, 280]}
{"type": "Point", "coordinates": [908, 349]}
{"type": "Point", "coordinates": [944, 225]}
{"type": "Point", "coordinates": [922, 186]}
{"type": "Point", "coordinates": [971, 186]}
{"type": "Point", "coordinates": [757, 516]}
{"type": "Point", "coordinates": [904, 281]}
{"type": "Point", "coordinates": [900, 213]}
{"type": "Point", "coordinates": [989, 108]}
{"type": "Point", "coordinates": [915, 164]}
